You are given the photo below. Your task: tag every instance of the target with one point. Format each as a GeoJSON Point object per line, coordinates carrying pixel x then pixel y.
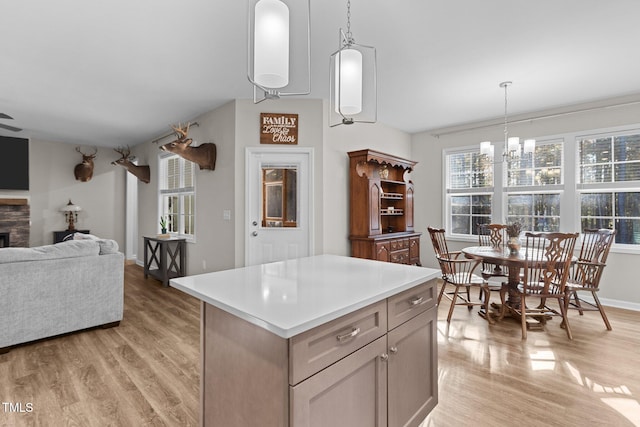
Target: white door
{"type": "Point", "coordinates": [279, 214]}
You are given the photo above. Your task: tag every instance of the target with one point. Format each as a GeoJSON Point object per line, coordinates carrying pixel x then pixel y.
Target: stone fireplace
{"type": "Point", "coordinates": [15, 218]}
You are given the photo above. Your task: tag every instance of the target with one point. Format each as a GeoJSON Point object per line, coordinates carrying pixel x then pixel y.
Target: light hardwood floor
{"type": "Point", "coordinates": [146, 371]}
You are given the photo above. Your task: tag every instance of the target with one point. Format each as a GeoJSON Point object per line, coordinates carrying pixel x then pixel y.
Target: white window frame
{"type": "Point", "coordinates": [604, 187]}
{"type": "Point", "coordinates": [179, 192]}
{"type": "Point", "coordinates": [450, 192]}
{"type": "Point", "coordinates": [535, 190]}
{"type": "Point", "coordinates": [570, 215]}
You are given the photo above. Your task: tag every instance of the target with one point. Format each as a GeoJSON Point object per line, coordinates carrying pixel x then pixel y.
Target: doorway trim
{"type": "Point", "coordinates": [307, 152]}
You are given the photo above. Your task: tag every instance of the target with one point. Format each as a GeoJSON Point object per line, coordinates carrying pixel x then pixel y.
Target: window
{"type": "Point", "coordinates": [177, 195]}
{"type": "Point", "coordinates": [609, 184]}
{"type": "Point", "coordinates": [571, 182]}
{"type": "Point", "coordinates": [529, 191]}
{"type": "Point", "coordinates": [469, 181]}
{"type": "Point", "coordinates": [534, 186]}
{"type": "Point", "coordinates": [280, 194]}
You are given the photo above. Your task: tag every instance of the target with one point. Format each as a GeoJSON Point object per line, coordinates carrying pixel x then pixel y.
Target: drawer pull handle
{"type": "Point", "coordinates": [416, 301]}
{"type": "Point", "coordinates": [348, 335]}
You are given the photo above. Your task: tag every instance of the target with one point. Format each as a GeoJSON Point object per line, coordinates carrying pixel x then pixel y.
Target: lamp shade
{"type": "Point", "coordinates": [513, 144]}
{"type": "Point", "coordinates": [485, 147]}
{"type": "Point", "coordinates": [529, 145]}
{"type": "Point", "coordinates": [348, 69]}
{"type": "Point", "coordinates": [271, 44]}
{"type": "Point", "coordinates": [70, 207]}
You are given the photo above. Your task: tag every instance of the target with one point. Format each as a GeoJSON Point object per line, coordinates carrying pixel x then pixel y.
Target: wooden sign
{"type": "Point", "coordinates": [278, 128]}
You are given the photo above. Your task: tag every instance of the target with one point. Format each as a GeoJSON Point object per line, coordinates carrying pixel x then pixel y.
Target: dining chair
{"type": "Point", "coordinates": [457, 272]}
{"type": "Point", "coordinates": [587, 271]}
{"type": "Point", "coordinates": [546, 270]}
{"type": "Point", "coordinates": [495, 236]}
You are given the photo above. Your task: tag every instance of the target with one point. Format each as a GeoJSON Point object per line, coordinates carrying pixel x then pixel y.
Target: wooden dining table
{"type": "Point", "coordinates": [502, 257]}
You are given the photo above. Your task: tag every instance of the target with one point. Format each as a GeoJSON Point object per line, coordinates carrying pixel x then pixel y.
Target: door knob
{"type": "Point", "coordinates": [254, 223]}
{"type": "Point", "coordinates": [254, 234]}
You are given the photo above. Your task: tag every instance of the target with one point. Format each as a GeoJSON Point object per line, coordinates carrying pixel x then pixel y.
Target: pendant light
{"type": "Point", "coordinates": [513, 150]}
{"type": "Point", "coordinates": [278, 62]}
{"type": "Point", "coordinates": [353, 91]}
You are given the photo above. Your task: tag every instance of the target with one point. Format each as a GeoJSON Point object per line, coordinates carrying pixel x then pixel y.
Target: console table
{"type": "Point", "coordinates": [164, 258]}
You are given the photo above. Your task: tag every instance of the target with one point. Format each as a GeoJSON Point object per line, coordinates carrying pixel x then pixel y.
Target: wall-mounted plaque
{"type": "Point", "coordinates": [278, 128]}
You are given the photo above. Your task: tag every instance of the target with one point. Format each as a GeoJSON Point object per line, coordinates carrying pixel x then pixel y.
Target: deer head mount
{"type": "Point", "coordinates": [203, 155]}
{"type": "Point", "coordinates": [141, 172]}
{"type": "Point", "coordinates": [84, 171]}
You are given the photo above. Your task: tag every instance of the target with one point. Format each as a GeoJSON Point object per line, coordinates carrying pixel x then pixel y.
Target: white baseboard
{"type": "Point", "coordinates": [607, 302]}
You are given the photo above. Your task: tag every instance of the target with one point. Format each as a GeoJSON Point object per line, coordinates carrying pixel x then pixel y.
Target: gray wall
{"type": "Point", "coordinates": [215, 240]}
{"type": "Point", "coordinates": [620, 277]}
{"type": "Point", "coordinates": [52, 184]}
{"type": "Point", "coordinates": [234, 127]}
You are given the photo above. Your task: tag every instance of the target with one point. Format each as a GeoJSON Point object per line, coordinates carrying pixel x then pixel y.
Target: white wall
{"type": "Point", "coordinates": [619, 279]}
{"type": "Point", "coordinates": [52, 184]}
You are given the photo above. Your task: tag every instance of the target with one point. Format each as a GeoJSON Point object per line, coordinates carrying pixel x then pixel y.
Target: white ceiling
{"type": "Point", "coordinates": [121, 71]}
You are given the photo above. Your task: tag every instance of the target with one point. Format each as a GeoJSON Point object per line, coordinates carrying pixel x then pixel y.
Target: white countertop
{"type": "Point", "coordinates": [291, 297]}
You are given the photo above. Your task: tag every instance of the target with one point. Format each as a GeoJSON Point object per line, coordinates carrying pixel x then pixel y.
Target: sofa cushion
{"type": "Point", "coordinates": [68, 249]}
{"type": "Point", "coordinates": [107, 246]}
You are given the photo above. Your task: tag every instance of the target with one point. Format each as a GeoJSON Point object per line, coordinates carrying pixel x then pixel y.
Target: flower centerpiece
{"type": "Point", "coordinates": [513, 231]}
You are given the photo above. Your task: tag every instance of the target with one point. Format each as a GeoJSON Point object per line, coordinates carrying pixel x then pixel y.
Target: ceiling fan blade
{"type": "Point", "coordinates": [5, 116]}
{"type": "Point", "coordinates": [11, 128]}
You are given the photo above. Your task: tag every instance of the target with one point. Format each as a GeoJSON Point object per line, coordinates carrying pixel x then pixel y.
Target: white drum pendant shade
{"type": "Point", "coordinates": [271, 44]}
{"type": "Point", "coordinates": [348, 82]}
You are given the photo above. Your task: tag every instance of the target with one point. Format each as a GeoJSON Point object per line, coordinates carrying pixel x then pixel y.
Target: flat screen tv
{"type": "Point", "coordinates": [14, 163]}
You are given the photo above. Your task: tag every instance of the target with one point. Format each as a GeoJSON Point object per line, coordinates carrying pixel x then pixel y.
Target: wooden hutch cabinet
{"type": "Point", "coordinates": [381, 208]}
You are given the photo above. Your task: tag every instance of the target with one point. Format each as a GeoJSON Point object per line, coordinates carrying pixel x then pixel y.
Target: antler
{"type": "Point", "coordinates": [181, 131]}
{"type": "Point", "coordinates": [124, 152]}
{"type": "Point", "coordinates": [92, 155]}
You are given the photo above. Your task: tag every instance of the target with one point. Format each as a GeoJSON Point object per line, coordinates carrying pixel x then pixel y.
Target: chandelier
{"type": "Point", "coordinates": [279, 59]}
{"type": "Point", "coordinates": [352, 76]}
{"type": "Point", "coordinates": [512, 150]}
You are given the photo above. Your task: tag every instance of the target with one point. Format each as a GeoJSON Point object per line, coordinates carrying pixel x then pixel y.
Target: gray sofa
{"type": "Point", "coordinates": [55, 289]}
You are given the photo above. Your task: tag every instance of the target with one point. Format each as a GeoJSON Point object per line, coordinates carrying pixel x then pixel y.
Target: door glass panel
{"type": "Point", "coordinates": [280, 197]}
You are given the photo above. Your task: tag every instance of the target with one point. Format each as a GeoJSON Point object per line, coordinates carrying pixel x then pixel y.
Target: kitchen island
{"type": "Point", "coordinates": [319, 341]}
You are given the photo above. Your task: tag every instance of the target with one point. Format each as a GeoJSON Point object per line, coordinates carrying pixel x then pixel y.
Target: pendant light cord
{"type": "Point", "coordinates": [506, 132]}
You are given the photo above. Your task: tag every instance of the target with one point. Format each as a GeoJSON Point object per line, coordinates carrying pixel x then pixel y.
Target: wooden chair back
{"type": "Point", "coordinates": [594, 251]}
{"type": "Point", "coordinates": [549, 258]}
{"type": "Point", "coordinates": [494, 235]}
{"type": "Point", "coordinates": [596, 244]}
{"type": "Point", "coordinates": [439, 241]}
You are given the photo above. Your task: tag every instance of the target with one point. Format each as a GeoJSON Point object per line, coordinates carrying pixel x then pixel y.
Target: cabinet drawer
{"type": "Point", "coordinates": [313, 350]}
{"type": "Point", "coordinates": [400, 257]}
{"type": "Point", "coordinates": [399, 244]}
{"type": "Point", "coordinates": [410, 303]}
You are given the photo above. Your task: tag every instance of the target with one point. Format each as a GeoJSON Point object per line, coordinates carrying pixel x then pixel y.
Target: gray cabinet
{"type": "Point", "coordinates": [349, 393]}
{"type": "Point", "coordinates": [413, 363]}
{"type": "Point", "coordinates": [374, 367]}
